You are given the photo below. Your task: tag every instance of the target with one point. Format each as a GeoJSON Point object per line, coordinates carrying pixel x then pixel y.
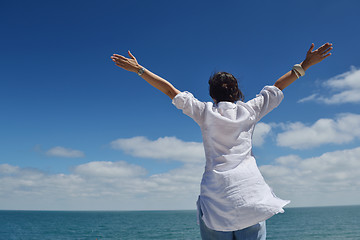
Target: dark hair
{"type": "Point", "coordinates": [223, 86]}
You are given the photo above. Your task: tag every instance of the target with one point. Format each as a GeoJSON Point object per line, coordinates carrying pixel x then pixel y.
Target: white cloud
{"type": "Point", "coordinates": [343, 129]}
{"type": "Point", "coordinates": [290, 160]}
{"type": "Point", "coordinates": [109, 170]}
{"type": "Point", "coordinates": [64, 152]}
{"type": "Point", "coordinates": [309, 98]}
{"type": "Point", "coordinates": [110, 185]}
{"type": "Point", "coordinates": [169, 148]}
{"type": "Point", "coordinates": [344, 88]}
{"type": "Point", "coordinates": [260, 133]}
{"type": "Point", "coordinates": [105, 185]}
{"type": "Point", "coordinates": [330, 179]}
{"type": "Point", "coordinates": [100, 185]}
{"type": "Point", "coordinates": [6, 169]}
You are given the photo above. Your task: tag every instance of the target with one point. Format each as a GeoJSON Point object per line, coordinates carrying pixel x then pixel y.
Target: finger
{"type": "Point", "coordinates": [327, 51]}
{"type": "Point", "coordinates": [324, 47]}
{"type": "Point", "coordinates": [131, 55]}
{"type": "Point", "coordinates": [327, 55]}
{"type": "Point", "coordinates": [116, 60]}
{"type": "Point", "coordinates": [311, 48]}
{"type": "Point", "coordinates": [119, 56]}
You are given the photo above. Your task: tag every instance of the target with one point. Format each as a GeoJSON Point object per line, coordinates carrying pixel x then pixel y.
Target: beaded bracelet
{"type": "Point", "coordinates": [296, 73]}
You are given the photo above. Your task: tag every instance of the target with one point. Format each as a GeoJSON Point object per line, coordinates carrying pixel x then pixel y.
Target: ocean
{"type": "Point", "coordinates": [328, 223]}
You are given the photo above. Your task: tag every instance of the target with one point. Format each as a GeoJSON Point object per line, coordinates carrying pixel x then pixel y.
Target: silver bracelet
{"type": "Point", "coordinates": [299, 69]}
{"type": "Point", "coordinates": [141, 71]}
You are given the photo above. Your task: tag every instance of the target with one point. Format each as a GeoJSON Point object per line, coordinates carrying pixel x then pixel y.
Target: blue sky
{"type": "Point", "coordinates": [79, 133]}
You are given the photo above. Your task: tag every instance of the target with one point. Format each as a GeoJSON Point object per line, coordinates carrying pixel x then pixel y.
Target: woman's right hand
{"type": "Point", "coordinates": [314, 57]}
{"type": "Point", "coordinates": [129, 64]}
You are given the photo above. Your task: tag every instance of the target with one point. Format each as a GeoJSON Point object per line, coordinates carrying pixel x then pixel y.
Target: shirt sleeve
{"type": "Point", "coordinates": [190, 106]}
{"type": "Point", "coordinates": [269, 98]}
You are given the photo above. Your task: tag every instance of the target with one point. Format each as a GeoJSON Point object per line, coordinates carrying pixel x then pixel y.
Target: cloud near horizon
{"type": "Point", "coordinates": [328, 179]}
{"type": "Point", "coordinates": [344, 88]}
{"type": "Point", "coordinates": [100, 185]}
{"type": "Point", "coordinates": [104, 185]}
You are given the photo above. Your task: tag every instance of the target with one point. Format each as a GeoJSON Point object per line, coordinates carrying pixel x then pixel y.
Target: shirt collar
{"type": "Point", "coordinates": [225, 105]}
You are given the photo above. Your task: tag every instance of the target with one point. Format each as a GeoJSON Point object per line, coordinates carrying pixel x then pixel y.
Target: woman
{"type": "Point", "coordinates": [234, 200]}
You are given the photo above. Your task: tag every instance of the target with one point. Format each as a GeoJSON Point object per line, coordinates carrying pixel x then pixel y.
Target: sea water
{"type": "Point", "coordinates": [296, 223]}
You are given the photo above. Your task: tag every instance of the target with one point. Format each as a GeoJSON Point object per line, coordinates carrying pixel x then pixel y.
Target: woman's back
{"type": "Point", "coordinates": [232, 184]}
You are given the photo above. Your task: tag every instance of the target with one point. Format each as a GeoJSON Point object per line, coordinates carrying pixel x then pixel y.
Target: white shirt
{"type": "Point", "coordinates": [234, 194]}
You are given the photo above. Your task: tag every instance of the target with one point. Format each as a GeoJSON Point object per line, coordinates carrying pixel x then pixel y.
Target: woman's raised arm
{"type": "Point", "coordinates": [131, 64]}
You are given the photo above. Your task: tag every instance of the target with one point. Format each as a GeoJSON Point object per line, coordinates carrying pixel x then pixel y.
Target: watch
{"type": "Point", "coordinates": [141, 71]}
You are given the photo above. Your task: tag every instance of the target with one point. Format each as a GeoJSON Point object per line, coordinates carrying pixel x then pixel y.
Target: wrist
{"type": "Point", "coordinates": [305, 65]}
{"type": "Point", "coordinates": [140, 70]}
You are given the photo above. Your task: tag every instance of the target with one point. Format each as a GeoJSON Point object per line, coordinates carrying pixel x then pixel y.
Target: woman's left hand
{"type": "Point", "coordinates": [129, 64]}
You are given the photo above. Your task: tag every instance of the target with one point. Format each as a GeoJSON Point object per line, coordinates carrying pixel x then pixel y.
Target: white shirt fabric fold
{"type": "Point", "coordinates": [234, 194]}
